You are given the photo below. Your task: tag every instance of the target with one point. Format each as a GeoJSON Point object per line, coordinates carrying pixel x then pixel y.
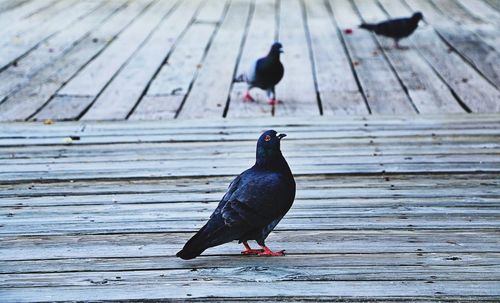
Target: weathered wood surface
{"type": "Point", "coordinates": [176, 59]}
{"type": "Point", "coordinates": [387, 209]}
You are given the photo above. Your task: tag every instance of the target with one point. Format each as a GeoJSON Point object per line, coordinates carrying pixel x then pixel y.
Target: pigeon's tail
{"type": "Point", "coordinates": [241, 78]}
{"type": "Point", "coordinates": [368, 26]}
{"type": "Point", "coordinates": [203, 239]}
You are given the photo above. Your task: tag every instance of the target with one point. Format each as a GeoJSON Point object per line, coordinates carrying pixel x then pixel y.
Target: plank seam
{"type": "Point", "coordinates": [348, 55]}
{"type": "Point", "coordinates": [204, 56]}
{"type": "Point", "coordinates": [389, 63]}
{"type": "Point", "coordinates": [91, 59]}
{"type": "Point", "coordinates": [311, 56]}
{"type": "Point", "coordinates": [165, 60]}
{"type": "Point", "coordinates": [251, 13]}
{"type": "Point", "coordinates": [124, 64]}
{"type": "Point", "coordinates": [437, 73]}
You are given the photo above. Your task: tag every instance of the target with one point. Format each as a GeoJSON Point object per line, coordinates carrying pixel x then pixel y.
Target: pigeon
{"type": "Point", "coordinates": [253, 205]}
{"type": "Point", "coordinates": [264, 73]}
{"type": "Point", "coordinates": [395, 28]}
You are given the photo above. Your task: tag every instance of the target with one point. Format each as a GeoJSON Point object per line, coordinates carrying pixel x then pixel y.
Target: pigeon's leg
{"type": "Point", "coordinates": [270, 253]}
{"type": "Point", "coordinates": [271, 94]}
{"type": "Point", "coordinates": [396, 45]}
{"type": "Point", "coordinates": [248, 97]}
{"type": "Point", "coordinates": [250, 251]}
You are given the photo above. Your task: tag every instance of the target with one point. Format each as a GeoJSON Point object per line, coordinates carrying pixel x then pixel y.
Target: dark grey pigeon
{"type": "Point", "coordinates": [253, 205]}
{"type": "Point", "coordinates": [264, 73]}
{"type": "Point", "coordinates": [395, 28]}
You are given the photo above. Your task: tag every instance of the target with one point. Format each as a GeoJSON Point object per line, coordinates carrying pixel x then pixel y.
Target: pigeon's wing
{"type": "Point", "coordinates": [258, 201]}
{"type": "Point", "coordinates": [393, 28]}
{"type": "Point", "coordinates": [233, 186]}
{"type": "Point", "coordinates": [251, 73]}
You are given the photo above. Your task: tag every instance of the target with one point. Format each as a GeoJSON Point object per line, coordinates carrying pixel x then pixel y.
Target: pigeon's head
{"type": "Point", "coordinates": [417, 16]}
{"type": "Point", "coordinates": [268, 145]}
{"type": "Point", "coordinates": [276, 49]}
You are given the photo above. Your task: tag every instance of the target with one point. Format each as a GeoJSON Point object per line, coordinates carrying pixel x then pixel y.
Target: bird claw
{"type": "Point", "coordinates": [269, 253]}
{"type": "Point", "coordinates": [247, 252]}
{"type": "Point", "coordinates": [274, 102]}
{"type": "Point", "coordinates": [248, 98]}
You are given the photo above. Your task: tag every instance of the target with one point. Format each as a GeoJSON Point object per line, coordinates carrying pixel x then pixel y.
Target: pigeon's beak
{"type": "Point", "coordinates": [281, 136]}
{"type": "Point", "coordinates": [281, 51]}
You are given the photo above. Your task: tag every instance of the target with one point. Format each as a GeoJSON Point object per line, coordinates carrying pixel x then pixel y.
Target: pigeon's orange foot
{"type": "Point", "coordinates": [269, 253]}
{"type": "Point", "coordinates": [274, 101]}
{"type": "Point", "coordinates": [248, 98]}
{"type": "Point", "coordinates": [250, 251]}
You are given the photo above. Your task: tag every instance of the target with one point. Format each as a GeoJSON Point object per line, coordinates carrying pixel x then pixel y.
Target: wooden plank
{"type": "Point", "coordinates": [214, 185]}
{"type": "Point", "coordinates": [224, 275]}
{"type": "Point", "coordinates": [32, 12]}
{"type": "Point", "coordinates": [160, 151]}
{"type": "Point", "coordinates": [7, 5]}
{"type": "Point", "coordinates": [210, 90]}
{"type": "Point", "coordinates": [15, 76]}
{"type": "Point", "coordinates": [466, 83]}
{"type": "Point", "coordinates": [31, 35]}
{"type": "Point", "coordinates": [493, 3]}
{"type": "Point", "coordinates": [466, 260]}
{"type": "Point", "coordinates": [155, 170]}
{"type": "Point", "coordinates": [28, 100]}
{"type": "Point", "coordinates": [337, 85]}
{"type": "Point", "coordinates": [20, 11]}
{"type": "Point", "coordinates": [470, 22]}
{"type": "Point", "coordinates": [297, 89]}
{"type": "Point", "coordinates": [94, 77]}
{"type": "Point", "coordinates": [359, 122]}
{"type": "Point", "coordinates": [257, 42]}
{"type": "Point", "coordinates": [171, 85]}
{"type": "Point", "coordinates": [482, 10]}
{"type": "Point", "coordinates": [426, 89]}
{"type": "Point", "coordinates": [355, 135]}
{"type": "Point", "coordinates": [123, 92]}
{"type": "Point", "coordinates": [381, 87]}
{"type": "Point", "coordinates": [463, 40]}
{"type": "Point", "coordinates": [159, 217]}
{"type": "Point", "coordinates": [405, 291]}
{"type": "Point", "coordinates": [125, 245]}
{"type": "Point", "coordinates": [454, 11]}
{"type": "Point", "coordinates": [482, 56]}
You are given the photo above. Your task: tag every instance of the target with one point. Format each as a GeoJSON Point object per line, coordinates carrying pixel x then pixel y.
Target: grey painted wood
{"type": "Point", "coordinates": [28, 100]}
{"type": "Point", "coordinates": [382, 89]}
{"type": "Point", "coordinates": [30, 34]}
{"type": "Point", "coordinates": [210, 90]}
{"type": "Point", "coordinates": [124, 91]}
{"type": "Point", "coordinates": [466, 82]}
{"type": "Point", "coordinates": [259, 37]}
{"type": "Point", "coordinates": [16, 76]}
{"type": "Point", "coordinates": [336, 83]}
{"type": "Point", "coordinates": [427, 91]}
{"type": "Point", "coordinates": [296, 89]}
{"type": "Point", "coordinates": [171, 85]}
{"type": "Point", "coordinates": [427, 233]}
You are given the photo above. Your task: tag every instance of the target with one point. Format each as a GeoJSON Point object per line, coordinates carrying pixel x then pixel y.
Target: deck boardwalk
{"type": "Point", "coordinates": [176, 59]}
{"type": "Point", "coordinates": [388, 209]}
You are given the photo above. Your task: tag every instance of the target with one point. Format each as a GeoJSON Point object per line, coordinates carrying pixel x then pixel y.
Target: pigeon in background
{"type": "Point", "coordinates": [264, 73]}
{"type": "Point", "coordinates": [253, 205]}
{"type": "Point", "coordinates": [395, 28]}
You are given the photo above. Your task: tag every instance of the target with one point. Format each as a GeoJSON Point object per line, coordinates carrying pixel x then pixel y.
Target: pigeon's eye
{"type": "Point", "coordinates": [267, 138]}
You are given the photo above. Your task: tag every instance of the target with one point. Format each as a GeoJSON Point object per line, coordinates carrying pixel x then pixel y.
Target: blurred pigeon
{"type": "Point", "coordinates": [264, 73]}
{"type": "Point", "coordinates": [395, 28]}
{"type": "Point", "coordinates": [253, 205]}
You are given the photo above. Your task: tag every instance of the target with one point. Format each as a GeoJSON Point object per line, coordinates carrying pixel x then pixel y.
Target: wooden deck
{"type": "Point", "coordinates": [387, 210]}
{"type": "Point", "coordinates": [147, 59]}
